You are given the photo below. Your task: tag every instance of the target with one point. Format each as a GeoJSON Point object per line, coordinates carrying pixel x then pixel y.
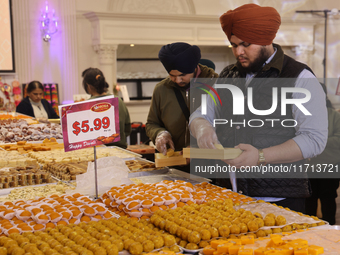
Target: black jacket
{"type": "Point", "coordinates": [277, 185]}
{"type": "Point", "coordinates": [25, 107]}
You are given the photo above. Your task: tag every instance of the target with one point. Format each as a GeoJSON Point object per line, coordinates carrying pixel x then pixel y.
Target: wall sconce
{"type": "Point", "coordinates": [48, 24]}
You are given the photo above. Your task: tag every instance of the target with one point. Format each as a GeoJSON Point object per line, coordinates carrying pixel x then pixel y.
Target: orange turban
{"type": "Point", "coordinates": [251, 23]}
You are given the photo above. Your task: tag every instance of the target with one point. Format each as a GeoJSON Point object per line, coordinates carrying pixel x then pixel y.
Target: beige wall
{"type": "Point", "coordinates": [71, 49]}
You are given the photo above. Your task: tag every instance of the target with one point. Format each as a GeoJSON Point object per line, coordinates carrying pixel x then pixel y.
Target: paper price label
{"type": "Point", "coordinates": [90, 123]}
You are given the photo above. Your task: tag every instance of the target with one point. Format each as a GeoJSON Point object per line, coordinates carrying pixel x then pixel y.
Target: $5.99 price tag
{"type": "Point", "coordinates": [90, 123]}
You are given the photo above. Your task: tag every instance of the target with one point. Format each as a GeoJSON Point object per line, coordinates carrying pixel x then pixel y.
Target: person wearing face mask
{"type": "Point", "coordinates": [170, 108]}
{"type": "Point", "coordinates": [35, 105]}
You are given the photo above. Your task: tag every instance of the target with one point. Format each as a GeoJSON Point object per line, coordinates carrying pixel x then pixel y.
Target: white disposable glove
{"type": "Point", "coordinates": [204, 133]}
{"type": "Point", "coordinates": [162, 139]}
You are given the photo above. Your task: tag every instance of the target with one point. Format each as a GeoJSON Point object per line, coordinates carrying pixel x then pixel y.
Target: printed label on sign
{"type": "Point", "coordinates": [90, 123]}
{"type": "Point", "coordinates": [96, 124]}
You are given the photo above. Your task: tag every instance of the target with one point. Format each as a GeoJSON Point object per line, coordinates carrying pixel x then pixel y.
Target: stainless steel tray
{"type": "Point", "coordinates": [168, 174]}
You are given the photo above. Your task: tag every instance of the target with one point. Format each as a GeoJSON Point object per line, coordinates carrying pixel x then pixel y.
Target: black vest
{"type": "Point", "coordinates": [264, 136]}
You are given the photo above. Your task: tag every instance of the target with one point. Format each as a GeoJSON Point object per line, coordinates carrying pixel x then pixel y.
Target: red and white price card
{"type": "Point", "coordinates": [90, 123]}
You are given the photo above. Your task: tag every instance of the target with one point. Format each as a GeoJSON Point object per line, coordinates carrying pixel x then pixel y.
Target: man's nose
{"type": "Point", "coordinates": [240, 50]}
{"type": "Point", "coordinates": [178, 79]}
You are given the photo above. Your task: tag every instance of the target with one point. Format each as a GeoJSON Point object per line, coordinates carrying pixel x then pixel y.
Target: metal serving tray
{"type": "Point", "coordinates": [168, 174]}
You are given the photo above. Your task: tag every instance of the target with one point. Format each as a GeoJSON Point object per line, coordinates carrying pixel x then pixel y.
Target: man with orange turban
{"type": "Point", "coordinates": [261, 68]}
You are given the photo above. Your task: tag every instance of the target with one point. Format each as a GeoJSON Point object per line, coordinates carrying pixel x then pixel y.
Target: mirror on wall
{"type": "Point", "coordinates": [6, 38]}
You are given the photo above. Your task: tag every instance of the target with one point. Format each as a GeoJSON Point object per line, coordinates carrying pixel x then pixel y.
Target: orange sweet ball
{"type": "Point", "coordinates": [26, 228]}
{"type": "Point", "coordinates": [54, 215]}
{"type": "Point", "coordinates": [60, 210]}
{"type": "Point", "coordinates": [97, 217]}
{"type": "Point", "coordinates": [107, 202]}
{"type": "Point", "coordinates": [7, 226]}
{"type": "Point", "coordinates": [168, 198]}
{"type": "Point", "coordinates": [75, 213]}
{"type": "Point", "coordinates": [145, 217]}
{"type": "Point", "coordinates": [8, 203]}
{"type": "Point", "coordinates": [66, 215]}
{"type": "Point", "coordinates": [73, 220]}
{"type": "Point", "coordinates": [38, 227]}
{"type": "Point", "coordinates": [107, 215]}
{"type": "Point", "coordinates": [43, 217]}
{"type": "Point", "coordinates": [137, 197]}
{"type": "Point", "coordinates": [35, 211]}
{"type": "Point", "coordinates": [134, 218]}
{"type": "Point", "coordinates": [89, 210]}
{"type": "Point", "coordinates": [77, 203]}
{"type": "Point", "coordinates": [154, 208]}
{"type": "Point", "coordinates": [17, 221]}
{"type": "Point", "coordinates": [50, 225]}
{"type": "Point", "coordinates": [163, 207]}
{"type": "Point", "coordinates": [65, 203]}
{"type": "Point", "coordinates": [158, 199]}
{"type": "Point", "coordinates": [85, 219]}
{"type": "Point", "coordinates": [62, 222]}
{"type": "Point", "coordinates": [13, 230]}
{"type": "Point", "coordinates": [121, 214]}
{"type": "Point", "coordinates": [25, 213]}
{"type": "Point", "coordinates": [171, 206]}
{"type": "Point", "coordinates": [100, 208]}
{"type": "Point", "coordinates": [76, 195]}
{"type": "Point", "coordinates": [147, 202]}
{"type": "Point", "coordinates": [190, 202]}
{"type": "Point", "coordinates": [20, 225]}
{"type": "Point", "coordinates": [132, 205]}
{"type": "Point", "coordinates": [8, 211]}
{"type": "Point", "coordinates": [145, 210]}
{"type": "Point", "coordinates": [180, 204]}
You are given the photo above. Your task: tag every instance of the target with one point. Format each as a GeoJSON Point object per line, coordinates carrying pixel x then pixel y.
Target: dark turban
{"type": "Point", "coordinates": [180, 56]}
{"type": "Point", "coordinates": [251, 23]}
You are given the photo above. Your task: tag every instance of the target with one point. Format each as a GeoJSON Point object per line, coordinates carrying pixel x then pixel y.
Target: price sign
{"type": "Point", "coordinates": [90, 123]}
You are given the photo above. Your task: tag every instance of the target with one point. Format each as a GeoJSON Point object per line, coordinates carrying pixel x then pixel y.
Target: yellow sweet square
{"type": "Point", "coordinates": [247, 239]}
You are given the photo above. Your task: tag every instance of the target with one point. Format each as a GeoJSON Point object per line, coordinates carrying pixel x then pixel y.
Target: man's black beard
{"type": "Point", "coordinates": [256, 65]}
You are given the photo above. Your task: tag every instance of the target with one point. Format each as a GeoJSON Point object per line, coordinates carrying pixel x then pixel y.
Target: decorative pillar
{"type": "Point", "coordinates": [303, 53]}
{"type": "Point", "coordinates": [22, 40]}
{"type": "Point", "coordinates": [70, 72]}
{"type": "Point", "coordinates": [107, 54]}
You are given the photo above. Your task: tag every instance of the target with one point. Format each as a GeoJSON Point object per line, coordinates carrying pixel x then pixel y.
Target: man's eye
{"type": "Point", "coordinates": [246, 44]}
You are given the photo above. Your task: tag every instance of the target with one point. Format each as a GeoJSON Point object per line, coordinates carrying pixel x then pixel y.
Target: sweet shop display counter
{"type": "Point", "coordinates": [161, 210]}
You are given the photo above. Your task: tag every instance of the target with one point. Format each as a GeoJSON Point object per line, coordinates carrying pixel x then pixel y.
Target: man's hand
{"type": "Point", "coordinates": [162, 139]}
{"type": "Point", "coordinates": [204, 133]}
{"type": "Point", "coordinates": [249, 156]}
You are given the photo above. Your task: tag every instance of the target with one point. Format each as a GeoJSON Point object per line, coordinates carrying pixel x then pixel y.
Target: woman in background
{"type": "Point", "coordinates": [35, 105]}
{"type": "Point", "coordinates": [94, 83]}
